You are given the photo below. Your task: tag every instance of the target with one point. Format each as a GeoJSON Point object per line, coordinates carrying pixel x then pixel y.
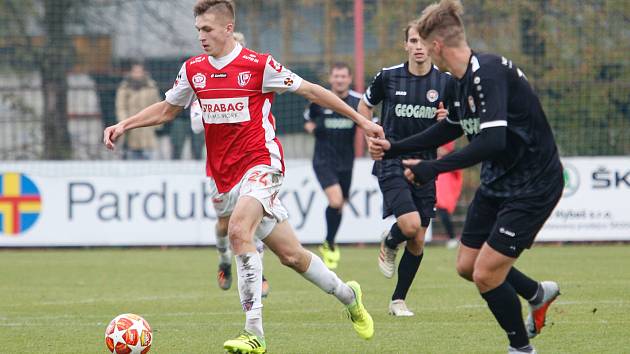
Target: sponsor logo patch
{"type": "Point", "coordinates": [414, 111]}
{"type": "Point", "coordinates": [507, 232]}
{"type": "Point", "coordinates": [251, 57]}
{"type": "Point", "coordinates": [218, 75]}
{"type": "Point", "coordinates": [225, 110]}
{"type": "Point", "coordinates": [198, 60]}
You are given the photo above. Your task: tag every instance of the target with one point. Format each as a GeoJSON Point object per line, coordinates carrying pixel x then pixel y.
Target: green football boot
{"type": "Point", "coordinates": [361, 319]}
{"type": "Point", "coordinates": [246, 343]}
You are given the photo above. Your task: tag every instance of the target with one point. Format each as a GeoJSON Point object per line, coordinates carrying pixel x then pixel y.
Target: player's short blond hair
{"type": "Point", "coordinates": [240, 37]}
{"type": "Point", "coordinates": [225, 8]}
{"type": "Point", "coordinates": [443, 19]}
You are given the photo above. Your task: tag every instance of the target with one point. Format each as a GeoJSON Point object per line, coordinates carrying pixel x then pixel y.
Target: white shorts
{"type": "Point", "coordinates": [261, 182]}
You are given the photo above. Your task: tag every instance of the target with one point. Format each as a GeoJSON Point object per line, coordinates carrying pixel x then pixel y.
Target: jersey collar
{"type": "Point", "coordinates": [220, 63]}
{"type": "Point", "coordinates": [406, 65]}
{"type": "Point", "coordinates": [473, 65]}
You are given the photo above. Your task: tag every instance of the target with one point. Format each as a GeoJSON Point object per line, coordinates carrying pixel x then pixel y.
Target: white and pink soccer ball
{"type": "Point", "coordinates": [128, 334]}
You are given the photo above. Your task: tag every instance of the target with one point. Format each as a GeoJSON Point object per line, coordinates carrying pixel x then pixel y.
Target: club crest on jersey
{"type": "Point", "coordinates": [471, 103]}
{"type": "Point", "coordinates": [243, 78]}
{"type": "Point", "coordinates": [432, 95]}
{"type": "Point", "coordinates": [199, 80]}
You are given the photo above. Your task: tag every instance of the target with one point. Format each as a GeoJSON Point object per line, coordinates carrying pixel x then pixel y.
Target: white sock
{"type": "Point", "coordinates": [249, 271]}
{"type": "Point", "coordinates": [253, 322]}
{"type": "Point", "coordinates": [318, 274]}
{"type": "Point", "coordinates": [223, 247]}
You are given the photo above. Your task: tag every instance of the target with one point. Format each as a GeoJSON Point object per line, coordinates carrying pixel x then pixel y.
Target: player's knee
{"type": "Point", "coordinates": [238, 236]}
{"type": "Point", "coordinates": [465, 271]}
{"type": "Point", "coordinates": [410, 228]}
{"type": "Point", "coordinates": [293, 260]}
{"type": "Point", "coordinates": [335, 201]}
{"type": "Point", "coordinates": [483, 278]}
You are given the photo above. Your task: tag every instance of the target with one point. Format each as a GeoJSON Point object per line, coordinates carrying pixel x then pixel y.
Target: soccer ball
{"type": "Point", "coordinates": [128, 334]}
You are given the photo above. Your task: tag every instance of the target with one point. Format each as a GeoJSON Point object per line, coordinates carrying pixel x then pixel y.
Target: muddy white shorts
{"type": "Point", "coordinates": [261, 182]}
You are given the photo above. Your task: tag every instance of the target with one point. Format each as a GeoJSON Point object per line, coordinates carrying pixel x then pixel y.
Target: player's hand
{"type": "Point", "coordinates": [418, 172]}
{"type": "Point", "coordinates": [441, 112]}
{"type": "Point", "coordinates": [377, 147]}
{"type": "Point", "coordinates": [409, 175]}
{"type": "Point", "coordinates": [111, 134]}
{"type": "Point", "coordinates": [372, 129]}
{"type": "Point", "coordinates": [310, 127]}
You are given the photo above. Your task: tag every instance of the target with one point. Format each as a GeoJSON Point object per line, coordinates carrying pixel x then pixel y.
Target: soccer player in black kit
{"type": "Point", "coordinates": [521, 173]}
{"type": "Point", "coordinates": [334, 154]}
{"type": "Point", "coordinates": [411, 94]}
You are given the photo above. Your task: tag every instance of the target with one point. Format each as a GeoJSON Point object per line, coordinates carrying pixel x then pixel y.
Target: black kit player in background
{"type": "Point", "coordinates": [334, 154]}
{"type": "Point", "coordinates": [521, 173]}
{"type": "Point", "coordinates": [412, 96]}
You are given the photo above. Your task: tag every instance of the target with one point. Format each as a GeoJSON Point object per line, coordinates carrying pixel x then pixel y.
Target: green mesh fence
{"type": "Point", "coordinates": [62, 62]}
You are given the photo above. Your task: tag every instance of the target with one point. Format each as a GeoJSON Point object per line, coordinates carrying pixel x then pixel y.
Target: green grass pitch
{"type": "Point", "coordinates": [60, 301]}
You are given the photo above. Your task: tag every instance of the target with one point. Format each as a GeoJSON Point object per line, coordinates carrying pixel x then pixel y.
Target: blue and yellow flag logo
{"type": "Point", "coordinates": [20, 203]}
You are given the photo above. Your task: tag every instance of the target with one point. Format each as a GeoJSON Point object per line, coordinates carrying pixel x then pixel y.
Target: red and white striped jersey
{"type": "Point", "coordinates": [235, 94]}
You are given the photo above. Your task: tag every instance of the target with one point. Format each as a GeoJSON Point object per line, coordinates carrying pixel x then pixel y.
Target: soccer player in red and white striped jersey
{"type": "Point", "coordinates": [235, 87]}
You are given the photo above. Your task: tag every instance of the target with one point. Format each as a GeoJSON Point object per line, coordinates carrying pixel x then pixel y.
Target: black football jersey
{"type": "Point", "coordinates": [334, 135]}
{"type": "Point", "coordinates": [494, 92]}
{"type": "Point", "coordinates": [409, 103]}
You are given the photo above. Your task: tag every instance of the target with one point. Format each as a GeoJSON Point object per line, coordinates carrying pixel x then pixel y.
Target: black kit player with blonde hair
{"type": "Point", "coordinates": [521, 174]}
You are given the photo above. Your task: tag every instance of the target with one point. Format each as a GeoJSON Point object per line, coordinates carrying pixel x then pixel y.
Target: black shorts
{"type": "Point", "coordinates": [401, 197]}
{"type": "Point", "coordinates": [509, 225]}
{"type": "Point", "coordinates": [329, 176]}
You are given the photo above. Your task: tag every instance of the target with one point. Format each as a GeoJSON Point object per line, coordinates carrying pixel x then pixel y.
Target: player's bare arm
{"type": "Point", "coordinates": [374, 144]}
{"type": "Point", "coordinates": [439, 134]}
{"type": "Point", "coordinates": [156, 114]}
{"type": "Point", "coordinates": [378, 147]}
{"type": "Point", "coordinates": [327, 99]}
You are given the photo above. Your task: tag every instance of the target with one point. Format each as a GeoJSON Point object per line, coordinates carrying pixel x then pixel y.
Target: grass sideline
{"type": "Point", "coordinates": [60, 301]}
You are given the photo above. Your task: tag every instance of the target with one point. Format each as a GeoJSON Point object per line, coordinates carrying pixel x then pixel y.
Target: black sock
{"type": "Point", "coordinates": [333, 220]}
{"type": "Point", "coordinates": [506, 308]}
{"type": "Point", "coordinates": [407, 269]}
{"type": "Point", "coordinates": [524, 285]}
{"type": "Point", "coordinates": [445, 217]}
{"type": "Point", "coordinates": [395, 238]}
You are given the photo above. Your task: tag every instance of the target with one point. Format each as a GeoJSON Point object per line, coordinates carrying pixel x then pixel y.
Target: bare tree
{"type": "Point", "coordinates": [55, 63]}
